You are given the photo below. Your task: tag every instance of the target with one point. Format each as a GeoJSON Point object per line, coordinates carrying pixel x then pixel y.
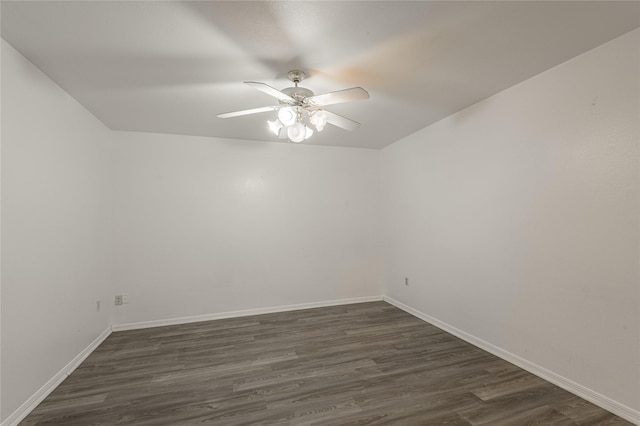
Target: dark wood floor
{"type": "Point", "coordinates": [362, 364]}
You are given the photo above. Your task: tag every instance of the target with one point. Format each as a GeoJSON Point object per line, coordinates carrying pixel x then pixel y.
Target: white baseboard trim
{"type": "Point", "coordinates": [243, 313]}
{"type": "Point", "coordinates": [35, 399]}
{"type": "Point", "coordinates": [590, 395]}
{"type": "Point", "coordinates": [605, 402]}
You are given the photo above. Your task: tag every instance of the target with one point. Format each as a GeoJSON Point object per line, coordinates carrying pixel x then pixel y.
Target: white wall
{"type": "Point", "coordinates": [516, 220]}
{"type": "Point", "coordinates": [206, 226]}
{"type": "Point", "coordinates": [56, 212]}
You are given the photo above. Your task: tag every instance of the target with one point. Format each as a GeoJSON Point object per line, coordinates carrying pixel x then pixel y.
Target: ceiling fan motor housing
{"type": "Point", "coordinates": [297, 93]}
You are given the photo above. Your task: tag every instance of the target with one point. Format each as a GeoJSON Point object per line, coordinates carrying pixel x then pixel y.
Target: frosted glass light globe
{"type": "Point", "coordinates": [308, 132]}
{"type": "Point", "coordinates": [275, 126]}
{"type": "Point", "coordinates": [287, 116]}
{"type": "Point", "coordinates": [319, 119]}
{"type": "Point", "coordinates": [296, 132]}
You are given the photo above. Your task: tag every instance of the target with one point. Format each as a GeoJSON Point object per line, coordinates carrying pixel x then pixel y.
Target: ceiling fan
{"type": "Point", "coordinates": [300, 110]}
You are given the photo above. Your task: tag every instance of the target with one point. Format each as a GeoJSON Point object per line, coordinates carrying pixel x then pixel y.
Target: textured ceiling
{"type": "Point", "coordinates": [169, 67]}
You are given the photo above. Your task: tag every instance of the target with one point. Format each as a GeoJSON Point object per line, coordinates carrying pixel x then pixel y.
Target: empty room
{"type": "Point", "coordinates": [320, 213]}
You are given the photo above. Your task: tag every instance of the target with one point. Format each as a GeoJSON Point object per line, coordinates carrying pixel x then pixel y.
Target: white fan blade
{"type": "Point", "coordinates": [340, 121]}
{"type": "Point", "coordinates": [270, 91]}
{"type": "Point", "coordinates": [247, 112]}
{"type": "Point", "coordinates": [340, 96]}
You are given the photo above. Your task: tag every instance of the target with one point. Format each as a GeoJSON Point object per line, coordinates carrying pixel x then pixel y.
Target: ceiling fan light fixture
{"type": "Point", "coordinates": [287, 116]}
{"type": "Point", "coordinates": [308, 132]}
{"type": "Point", "coordinates": [296, 132]}
{"type": "Point", "coordinates": [275, 126]}
{"type": "Point", "coordinates": [318, 119]}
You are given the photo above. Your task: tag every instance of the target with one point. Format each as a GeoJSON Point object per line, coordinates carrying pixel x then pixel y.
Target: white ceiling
{"type": "Point", "coordinates": [169, 67]}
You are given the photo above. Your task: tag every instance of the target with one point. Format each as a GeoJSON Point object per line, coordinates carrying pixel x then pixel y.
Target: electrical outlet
{"type": "Point", "coordinates": [122, 299]}
{"type": "Point", "coordinates": [406, 281]}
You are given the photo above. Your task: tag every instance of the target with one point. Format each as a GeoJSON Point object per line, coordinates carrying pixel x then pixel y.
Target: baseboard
{"type": "Point", "coordinates": [35, 399]}
{"type": "Point", "coordinates": [243, 313]}
{"type": "Point", "coordinates": [590, 395]}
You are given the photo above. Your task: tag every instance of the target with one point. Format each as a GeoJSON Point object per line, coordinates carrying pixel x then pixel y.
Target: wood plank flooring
{"type": "Point", "coordinates": [361, 364]}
